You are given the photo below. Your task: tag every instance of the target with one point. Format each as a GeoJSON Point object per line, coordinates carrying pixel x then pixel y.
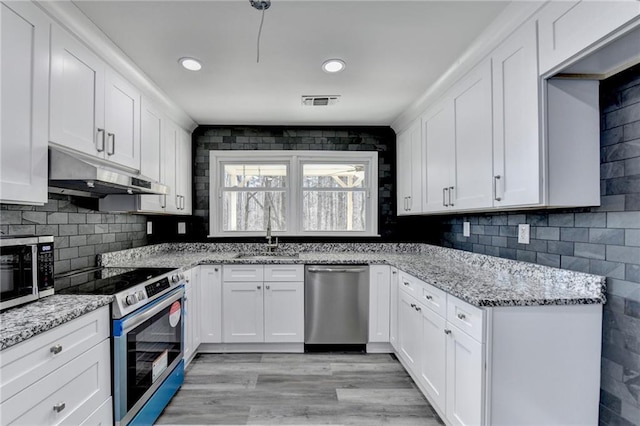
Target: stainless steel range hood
{"type": "Point", "coordinates": [70, 172]}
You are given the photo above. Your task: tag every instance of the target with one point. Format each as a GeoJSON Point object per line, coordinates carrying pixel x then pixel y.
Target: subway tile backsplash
{"type": "Point", "coordinates": [80, 231]}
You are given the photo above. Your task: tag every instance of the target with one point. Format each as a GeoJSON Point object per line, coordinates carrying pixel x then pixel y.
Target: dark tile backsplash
{"type": "Point", "coordinates": [80, 231]}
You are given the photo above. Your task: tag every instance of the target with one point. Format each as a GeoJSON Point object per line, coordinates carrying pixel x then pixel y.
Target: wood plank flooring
{"type": "Point", "coordinates": [298, 389]}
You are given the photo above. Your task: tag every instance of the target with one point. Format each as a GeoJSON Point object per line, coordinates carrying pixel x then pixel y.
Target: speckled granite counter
{"type": "Point", "coordinates": [478, 279]}
{"type": "Point", "coordinates": [20, 323]}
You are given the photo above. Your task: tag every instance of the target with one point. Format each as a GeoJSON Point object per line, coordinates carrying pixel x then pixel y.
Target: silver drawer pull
{"type": "Point", "coordinates": [462, 316]}
{"type": "Point", "coordinates": [413, 305]}
{"type": "Point", "coordinates": [405, 283]}
{"type": "Point", "coordinates": [418, 308]}
{"type": "Point", "coordinates": [428, 297]}
{"type": "Point", "coordinates": [56, 349]}
{"type": "Point", "coordinates": [447, 331]}
{"type": "Point", "coordinates": [59, 407]}
{"type": "Point", "coordinates": [267, 287]}
{"type": "Point", "coordinates": [259, 287]}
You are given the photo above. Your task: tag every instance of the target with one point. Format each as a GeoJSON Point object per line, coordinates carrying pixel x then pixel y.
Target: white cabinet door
{"type": "Point", "coordinates": [183, 171]}
{"type": "Point", "coordinates": [433, 357]}
{"type": "Point", "coordinates": [77, 95]}
{"type": "Point", "coordinates": [465, 372]}
{"type": "Point", "coordinates": [472, 187]}
{"type": "Point", "coordinates": [242, 312]}
{"type": "Point", "coordinates": [516, 140]}
{"type": "Point", "coordinates": [211, 303]}
{"type": "Point", "coordinates": [284, 312]}
{"type": "Point", "coordinates": [189, 301]}
{"type": "Point", "coordinates": [409, 332]}
{"type": "Point", "coordinates": [122, 121]}
{"type": "Point", "coordinates": [24, 103]}
{"type": "Point", "coordinates": [196, 308]}
{"type": "Point", "coordinates": [409, 166]}
{"type": "Point", "coordinates": [379, 296]}
{"type": "Point", "coordinates": [438, 127]}
{"type": "Point", "coordinates": [393, 309]}
{"type": "Point", "coordinates": [151, 153]}
{"type": "Point", "coordinates": [568, 27]}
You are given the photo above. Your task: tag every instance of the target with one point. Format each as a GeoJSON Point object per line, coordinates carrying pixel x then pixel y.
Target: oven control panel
{"type": "Point", "coordinates": [136, 297]}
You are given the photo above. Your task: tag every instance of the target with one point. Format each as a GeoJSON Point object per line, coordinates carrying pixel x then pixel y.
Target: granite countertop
{"type": "Point", "coordinates": [22, 322]}
{"type": "Point", "coordinates": [477, 279]}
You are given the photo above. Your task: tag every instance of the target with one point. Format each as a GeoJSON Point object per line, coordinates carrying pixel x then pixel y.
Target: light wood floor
{"type": "Point", "coordinates": [301, 389]}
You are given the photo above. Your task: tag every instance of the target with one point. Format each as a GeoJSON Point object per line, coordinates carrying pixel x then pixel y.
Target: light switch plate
{"type": "Point", "coordinates": [182, 228]}
{"type": "Point", "coordinates": [466, 229]}
{"type": "Point", "coordinates": [523, 233]}
{"type": "Point", "coordinates": [149, 228]}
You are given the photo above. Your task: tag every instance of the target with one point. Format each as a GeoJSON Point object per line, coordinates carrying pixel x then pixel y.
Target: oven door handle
{"type": "Point", "coordinates": [138, 319]}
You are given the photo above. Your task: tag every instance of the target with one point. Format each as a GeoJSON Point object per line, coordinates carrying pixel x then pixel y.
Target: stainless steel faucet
{"type": "Point", "coordinates": [270, 246]}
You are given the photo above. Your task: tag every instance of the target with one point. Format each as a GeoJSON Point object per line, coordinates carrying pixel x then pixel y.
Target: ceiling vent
{"type": "Point", "coordinates": [320, 100]}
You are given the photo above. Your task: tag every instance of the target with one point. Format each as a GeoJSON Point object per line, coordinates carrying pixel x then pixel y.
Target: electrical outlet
{"type": "Point", "coordinates": [466, 229]}
{"type": "Point", "coordinates": [149, 228]}
{"type": "Point", "coordinates": [523, 233]}
{"type": "Point", "coordinates": [182, 228]}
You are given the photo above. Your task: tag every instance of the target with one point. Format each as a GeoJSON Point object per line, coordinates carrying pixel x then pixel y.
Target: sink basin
{"type": "Point", "coordinates": [267, 256]}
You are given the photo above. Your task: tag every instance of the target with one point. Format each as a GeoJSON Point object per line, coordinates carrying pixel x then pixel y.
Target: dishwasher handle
{"type": "Point", "coordinates": [336, 269]}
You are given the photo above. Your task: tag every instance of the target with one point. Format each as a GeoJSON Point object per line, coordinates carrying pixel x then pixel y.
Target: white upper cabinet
{"type": "Point", "coordinates": [81, 87]}
{"type": "Point", "coordinates": [24, 104]}
{"type": "Point", "coordinates": [473, 141]}
{"type": "Point", "coordinates": [183, 172]}
{"type": "Point", "coordinates": [152, 125]}
{"type": "Point", "coordinates": [438, 127]}
{"type": "Point", "coordinates": [409, 166]}
{"type": "Point", "coordinates": [569, 27]}
{"type": "Point", "coordinates": [516, 139]}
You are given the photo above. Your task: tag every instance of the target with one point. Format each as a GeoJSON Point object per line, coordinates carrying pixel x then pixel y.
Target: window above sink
{"type": "Point", "coordinates": [296, 193]}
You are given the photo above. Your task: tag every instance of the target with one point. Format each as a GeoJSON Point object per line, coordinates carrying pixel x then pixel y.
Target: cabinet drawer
{"type": "Point", "coordinates": [29, 361]}
{"type": "Point", "coordinates": [77, 388]}
{"type": "Point", "coordinates": [284, 273]}
{"type": "Point", "coordinates": [409, 284]}
{"type": "Point", "coordinates": [466, 317]}
{"type": "Point", "coordinates": [103, 416]}
{"type": "Point", "coordinates": [434, 299]}
{"type": "Point", "coordinates": [243, 273]}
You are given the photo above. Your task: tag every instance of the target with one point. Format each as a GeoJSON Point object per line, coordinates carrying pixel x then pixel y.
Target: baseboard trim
{"type": "Point", "coordinates": [251, 347]}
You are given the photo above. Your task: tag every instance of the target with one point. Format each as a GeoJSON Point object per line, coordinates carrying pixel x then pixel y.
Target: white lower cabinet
{"type": "Point", "coordinates": [62, 376]}
{"type": "Point", "coordinates": [211, 303]}
{"type": "Point", "coordinates": [266, 308]}
{"type": "Point", "coordinates": [192, 312]}
{"type": "Point", "coordinates": [505, 365]}
{"type": "Point", "coordinates": [393, 309]}
{"type": "Point", "coordinates": [379, 295]}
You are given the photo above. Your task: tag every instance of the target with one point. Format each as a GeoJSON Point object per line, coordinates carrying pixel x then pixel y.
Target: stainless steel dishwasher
{"type": "Point", "coordinates": [336, 304]}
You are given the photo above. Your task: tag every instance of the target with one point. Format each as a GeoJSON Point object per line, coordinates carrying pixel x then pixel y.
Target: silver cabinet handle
{"type": "Point", "coordinates": [444, 196]}
{"type": "Point", "coordinates": [418, 308]}
{"type": "Point", "coordinates": [495, 188]}
{"type": "Point", "coordinates": [267, 287]}
{"type": "Point", "coordinates": [215, 269]}
{"type": "Point", "coordinates": [56, 349]}
{"type": "Point", "coordinates": [59, 407]}
{"type": "Point", "coordinates": [450, 195]}
{"type": "Point", "coordinates": [259, 287]}
{"type": "Point", "coordinates": [428, 297]}
{"type": "Point", "coordinates": [178, 202]}
{"type": "Point", "coordinates": [100, 137]}
{"type": "Point", "coordinates": [409, 203]}
{"type": "Point", "coordinates": [462, 316]}
{"type": "Point", "coordinates": [447, 331]}
{"type": "Point", "coordinates": [163, 203]}
{"type": "Point", "coordinates": [413, 305]}
{"type": "Point", "coordinates": [394, 272]}
{"type": "Point", "coordinates": [405, 283]}
{"type": "Point", "coordinates": [111, 137]}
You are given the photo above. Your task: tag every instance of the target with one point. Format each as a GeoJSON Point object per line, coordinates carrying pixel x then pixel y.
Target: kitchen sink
{"type": "Point", "coordinates": [268, 256]}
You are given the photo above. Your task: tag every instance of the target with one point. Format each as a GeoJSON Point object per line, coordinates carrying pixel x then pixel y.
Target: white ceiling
{"type": "Point", "coordinates": [394, 51]}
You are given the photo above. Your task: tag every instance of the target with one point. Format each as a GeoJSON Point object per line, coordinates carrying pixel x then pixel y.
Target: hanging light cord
{"type": "Point", "coordinates": [259, 34]}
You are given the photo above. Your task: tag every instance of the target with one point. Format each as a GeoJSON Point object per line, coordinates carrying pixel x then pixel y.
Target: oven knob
{"type": "Point", "coordinates": [175, 278]}
{"type": "Point", "coordinates": [141, 295]}
{"type": "Point", "coordinates": [131, 299]}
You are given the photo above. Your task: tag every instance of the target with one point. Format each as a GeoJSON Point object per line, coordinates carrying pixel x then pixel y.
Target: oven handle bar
{"type": "Point", "coordinates": [137, 319]}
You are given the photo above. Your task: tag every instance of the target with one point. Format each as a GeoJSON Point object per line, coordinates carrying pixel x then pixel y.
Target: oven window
{"type": "Point", "coordinates": [16, 272]}
{"type": "Point", "coordinates": [151, 348]}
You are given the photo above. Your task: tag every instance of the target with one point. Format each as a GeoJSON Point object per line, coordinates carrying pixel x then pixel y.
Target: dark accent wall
{"type": "Point", "coordinates": [80, 231]}
{"type": "Point", "coordinates": [207, 138]}
{"type": "Point", "coordinates": [602, 240]}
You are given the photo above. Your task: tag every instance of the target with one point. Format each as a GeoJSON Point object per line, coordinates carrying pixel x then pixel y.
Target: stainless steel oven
{"type": "Point", "coordinates": [26, 269]}
{"type": "Point", "coordinates": [148, 366]}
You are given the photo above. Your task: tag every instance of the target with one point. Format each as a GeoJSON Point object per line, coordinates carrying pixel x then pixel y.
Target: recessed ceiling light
{"type": "Point", "coordinates": [333, 65]}
{"type": "Point", "coordinates": [190, 64]}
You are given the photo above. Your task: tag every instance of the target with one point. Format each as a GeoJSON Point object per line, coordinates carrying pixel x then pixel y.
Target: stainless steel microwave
{"type": "Point", "coordinates": [26, 269]}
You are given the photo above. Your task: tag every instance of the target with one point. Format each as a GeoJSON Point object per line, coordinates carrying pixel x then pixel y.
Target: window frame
{"type": "Point", "coordinates": [294, 191]}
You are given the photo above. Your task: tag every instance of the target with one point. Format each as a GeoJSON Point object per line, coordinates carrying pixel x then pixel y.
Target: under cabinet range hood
{"type": "Point", "coordinates": [85, 177]}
